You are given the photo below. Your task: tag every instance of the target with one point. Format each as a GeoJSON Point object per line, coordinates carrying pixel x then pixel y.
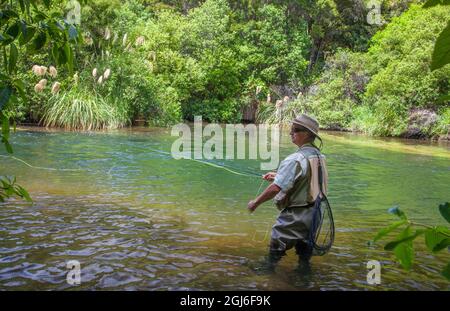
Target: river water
{"type": "Point", "coordinates": [136, 219]}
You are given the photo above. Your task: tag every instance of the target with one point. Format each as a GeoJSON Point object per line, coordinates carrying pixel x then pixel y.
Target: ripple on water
{"type": "Point", "coordinates": [138, 220]}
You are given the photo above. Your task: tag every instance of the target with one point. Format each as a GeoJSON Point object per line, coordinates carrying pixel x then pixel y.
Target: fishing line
{"type": "Point", "coordinates": [247, 174]}
{"type": "Point", "coordinates": [41, 167]}
{"type": "Point", "coordinates": [259, 189]}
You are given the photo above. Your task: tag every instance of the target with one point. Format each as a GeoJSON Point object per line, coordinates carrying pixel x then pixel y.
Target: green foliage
{"type": "Point", "coordinates": [399, 64]}
{"type": "Point", "coordinates": [441, 52]}
{"type": "Point", "coordinates": [26, 31]}
{"type": "Point", "coordinates": [385, 90]}
{"type": "Point", "coordinates": [81, 109]}
{"type": "Point", "coordinates": [437, 238]}
{"type": "Point", "coordinates": [214, 57]}
{"type": "Point", "coordinates": [9, 188]}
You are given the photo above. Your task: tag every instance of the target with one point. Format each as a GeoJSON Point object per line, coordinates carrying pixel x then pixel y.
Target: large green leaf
{"type": "Point", "coordinates": [13, 55]}
{"type": "Point", "coordinates": [5, 94]}
{"type": "Point", "coordinates": [69, 57]}
{"type": "Point", "coordinates": [11, 33]}
{"type": "Point", "coordinates": [388, 229]}
{"type": "Point", "coordinates": [436, 238]}
{"type": "Point", "coordinates": [27, 35]}
{"type": "Point", "coordinates": [442, 245]}
{"type": "Point", "coordinates": [404, 251]}
{"type": "Point", "coordinates": [391, 245]}
{"type": "Point", "coordinates": [444, 209]}
{"type": "Point", "coordinates": [5, 126]}
{"type": "Point", "coordinates": [5, 133]}
{"type": "Point", "coordinates": [39, 41]}
{"type": "Point", "coordinates": [441, 53]}
{"type": "Point", "coordinates": [23, 193]}
{"type": "Point", "coordinates": [20, 87]}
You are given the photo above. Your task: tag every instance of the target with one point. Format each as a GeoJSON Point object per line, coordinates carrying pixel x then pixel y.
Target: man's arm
{"type": "Point", "coordinates": [268, 194]}
{"type": "Point", "coordinates": [283, 180]}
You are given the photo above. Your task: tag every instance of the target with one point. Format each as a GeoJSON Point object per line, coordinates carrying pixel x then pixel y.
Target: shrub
{"type": "Point", "coordinates": [82, 109]}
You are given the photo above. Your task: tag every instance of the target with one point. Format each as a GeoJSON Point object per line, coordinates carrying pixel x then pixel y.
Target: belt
{"type": "Point", "coordinates": [304, 206]}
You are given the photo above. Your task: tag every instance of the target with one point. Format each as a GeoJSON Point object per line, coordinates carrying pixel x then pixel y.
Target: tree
{"type": "Point", "coordinates": [25, 29]}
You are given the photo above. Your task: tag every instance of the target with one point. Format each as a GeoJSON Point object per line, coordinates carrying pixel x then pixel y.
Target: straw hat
{"type": "Point", "coordinates": [308, 122]}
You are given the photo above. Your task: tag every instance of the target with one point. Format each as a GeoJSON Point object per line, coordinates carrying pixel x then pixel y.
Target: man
{"type": "Point", "coordinates": [295, 188]}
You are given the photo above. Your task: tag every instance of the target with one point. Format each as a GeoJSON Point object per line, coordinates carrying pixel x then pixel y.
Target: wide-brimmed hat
{"type": "Point", "coordinates": [308, 122]}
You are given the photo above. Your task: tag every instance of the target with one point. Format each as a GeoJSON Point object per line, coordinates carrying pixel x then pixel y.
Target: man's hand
{"type": "Point", "coordinates": [251, 206]}
{"type": "Point", "coordinates": [269, 176]}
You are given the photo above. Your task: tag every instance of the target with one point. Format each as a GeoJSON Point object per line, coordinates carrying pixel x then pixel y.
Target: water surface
{"type": "Point", "coordinates": [136, 219]}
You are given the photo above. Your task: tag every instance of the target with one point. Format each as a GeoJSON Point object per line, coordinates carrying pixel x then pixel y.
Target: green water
{"type": "Point", "coordinates": [138, 219]}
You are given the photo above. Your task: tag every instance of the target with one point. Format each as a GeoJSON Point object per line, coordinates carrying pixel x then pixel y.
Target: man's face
{"type": "Point", "coordinates": [296, 136]}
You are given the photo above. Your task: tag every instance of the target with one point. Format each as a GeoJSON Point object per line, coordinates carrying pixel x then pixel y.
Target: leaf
{"type": "Point", "coordinates": [23, 193]}
{"type": "Point", "coordinates": [55, 54]}
{"type": "Point", "coordinates": [69, 57]}
{"type": "Point", "coordinates": [39, 41]}
{"type": "Point", "coordinates": [20, 86]}
{"type": "Point", "coordinates": [432, 238]}
{"type": "Point", "coordinates": [61, 56]}
{"type": "Point", "coordinates": [444, 209]}
{"type": "Point", "coordinates": [446, 271]}
{"type": "Point", "coordinates": [5, 94]}
{"type": "Point", "coordinates": [431, 3]}
{"type": "Point", "coordinates": [7, 146]}
{"type": "Point", "coordinates": [388, 229]}
{"type": "Point", "coordinates": [391, 245]}
{"type": "Point", "coordinates": [12, 32]}
{"type": "Point", "coordinates": [443, 244]}
{"type": "Point", "coordinates": [13, 55]}
{"type": "Point", "coordinates": [404, 251]}
{"type": "Point", "coordinates": [397, 211]}
{"type": "Point", "coordinates": [26, 37]}
{"type": "Point", "coordinates": [5, 126]}
{"type": "Point", "coordinates": [441, 53]}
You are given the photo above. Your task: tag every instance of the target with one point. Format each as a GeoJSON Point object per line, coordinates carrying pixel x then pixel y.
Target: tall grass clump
{"type": "Point", "coordinates": [80, 109]}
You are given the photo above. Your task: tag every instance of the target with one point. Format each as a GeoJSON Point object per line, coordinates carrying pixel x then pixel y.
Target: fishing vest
{"type": "Point", "coordinates": [306, 185]}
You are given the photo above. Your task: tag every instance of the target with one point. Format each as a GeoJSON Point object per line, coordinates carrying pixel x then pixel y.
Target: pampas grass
{"type": "Point", "coordinates": [82, 109]}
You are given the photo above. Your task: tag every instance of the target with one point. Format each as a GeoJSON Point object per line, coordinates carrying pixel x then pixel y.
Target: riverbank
{"type": "Point", "coordinates": [444, 139]}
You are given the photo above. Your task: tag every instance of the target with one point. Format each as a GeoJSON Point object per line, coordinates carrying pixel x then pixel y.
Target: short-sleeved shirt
{"type": "Point", "coordinates": [288, 170]}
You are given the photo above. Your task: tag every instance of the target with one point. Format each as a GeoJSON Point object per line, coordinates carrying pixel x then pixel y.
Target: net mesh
{"type": "Point", "coordinates": [321, 235]}
{"type": "Point", "coordinates": [322, 228]}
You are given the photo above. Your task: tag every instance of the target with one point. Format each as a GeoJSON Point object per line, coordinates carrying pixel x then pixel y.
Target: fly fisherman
{"type": "Point", "coordinates": [294, 190]}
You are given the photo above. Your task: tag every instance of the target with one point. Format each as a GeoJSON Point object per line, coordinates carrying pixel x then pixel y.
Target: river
{"type": "Point", "coordinates": [136, 219]}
